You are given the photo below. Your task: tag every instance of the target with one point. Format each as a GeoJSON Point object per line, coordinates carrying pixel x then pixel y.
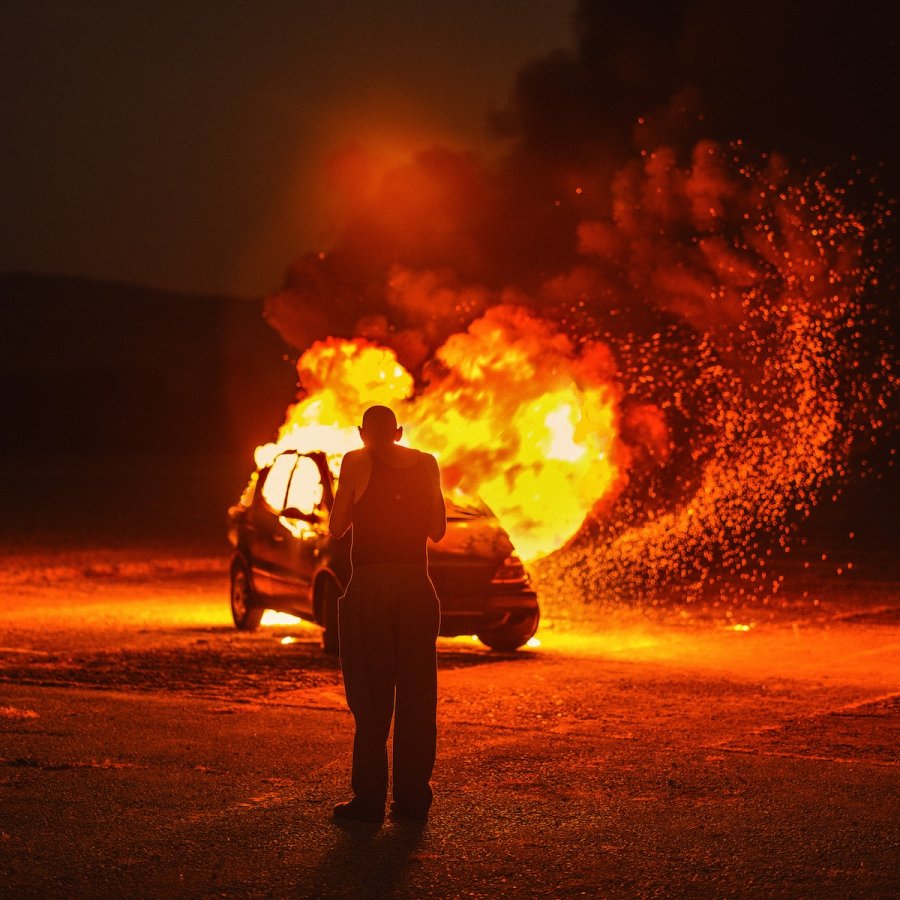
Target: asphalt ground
{"type": "Point", "coordinates": [149, 749]}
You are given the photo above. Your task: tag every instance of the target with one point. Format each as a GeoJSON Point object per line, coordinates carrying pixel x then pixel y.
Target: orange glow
{"type": "Point", "coordinates": [341, 378]}
{"type": "Point", "coordinates": [270, 617]}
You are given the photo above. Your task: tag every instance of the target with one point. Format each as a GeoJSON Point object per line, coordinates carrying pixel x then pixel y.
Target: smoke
{"type": "Point", "coordinates": [647, 204]}
{"type": "Point", "coordinates": [643, 77]}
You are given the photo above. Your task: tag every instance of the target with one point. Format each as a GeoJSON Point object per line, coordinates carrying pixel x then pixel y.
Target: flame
{"type": "Point", "coordinates": [518, 417]}
{"type": "Point", "coordinates": [512, 412]}
{"type": "Point", "coordinates": [340, 379]}
{"type": "Point", "coordinates": [667, 408]}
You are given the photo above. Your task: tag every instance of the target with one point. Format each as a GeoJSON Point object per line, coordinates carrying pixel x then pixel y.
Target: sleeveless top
{"type": "Point", "coordinates": [390, 519]}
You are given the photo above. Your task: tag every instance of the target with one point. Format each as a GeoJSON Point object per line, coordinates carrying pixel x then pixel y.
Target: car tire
{"type": "Point", "coordinates": [507, 640]}
{"type": "Point", "coordinates": [331, 642]}
{"type": "Point", "coordinates": [246, 614]}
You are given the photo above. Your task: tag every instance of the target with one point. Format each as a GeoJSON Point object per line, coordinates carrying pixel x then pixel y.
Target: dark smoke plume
{"type": "Point", "coordinates": [812, 82]}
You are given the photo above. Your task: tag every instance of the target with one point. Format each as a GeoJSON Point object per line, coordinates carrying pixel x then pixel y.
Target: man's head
{"type": "Point", "coordinates": [379, 427]}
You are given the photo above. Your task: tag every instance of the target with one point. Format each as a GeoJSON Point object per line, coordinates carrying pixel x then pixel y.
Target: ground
{"type": "Point", "coordinates": [149, 749]}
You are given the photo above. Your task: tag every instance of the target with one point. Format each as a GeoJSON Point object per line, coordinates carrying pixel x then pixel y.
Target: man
{"type": "Point", "coordinates": [389, 617]}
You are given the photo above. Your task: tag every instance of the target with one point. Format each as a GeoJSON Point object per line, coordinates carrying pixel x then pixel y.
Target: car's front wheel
{"type": "Point", "coordinates": [245, 613]}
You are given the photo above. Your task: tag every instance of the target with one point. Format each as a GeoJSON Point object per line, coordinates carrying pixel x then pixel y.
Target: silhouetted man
{"type": "Point", "coordinates": [389, 617]}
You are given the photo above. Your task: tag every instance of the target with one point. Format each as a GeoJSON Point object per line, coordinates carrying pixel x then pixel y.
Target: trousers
{"type": "Point", "coordinates": [389, 618]}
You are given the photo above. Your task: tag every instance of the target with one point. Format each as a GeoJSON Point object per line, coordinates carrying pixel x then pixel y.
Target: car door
{"type": "Point", "coordinates": [265, 533]}
{"type": "Point", "coordinates": [303, 522]}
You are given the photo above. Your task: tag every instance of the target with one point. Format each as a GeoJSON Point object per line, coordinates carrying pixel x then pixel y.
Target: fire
{"type": "Point", "coordinates": [562, 429]}
{"type": "Point", "coordinates": [338, 378]}
{"type": "Point", "coordinates": [519, 417]}
{"type": "Point", "coordinates": [512, 412]}
{"type": "Point", "coordinates": [664, 401]}
{"type": "Point", "coordinates": [271, 617]}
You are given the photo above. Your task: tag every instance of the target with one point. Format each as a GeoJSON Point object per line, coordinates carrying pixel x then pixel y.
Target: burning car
{"type": "Point", "coordinates": [285, 560]}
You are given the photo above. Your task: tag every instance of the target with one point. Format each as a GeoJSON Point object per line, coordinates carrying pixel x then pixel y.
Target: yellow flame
{"type": "Point", "coordinates": [562, 431]}
{"type": "Point", "coordinates": [513, 420]}
{"type": "Point", "coordinates": [342, 378]}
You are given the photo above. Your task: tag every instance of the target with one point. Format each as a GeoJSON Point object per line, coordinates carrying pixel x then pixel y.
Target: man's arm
{"type": "Point", "coordinates": [340, 520]}
{"type": "Point", "coordinates": [437, 523]}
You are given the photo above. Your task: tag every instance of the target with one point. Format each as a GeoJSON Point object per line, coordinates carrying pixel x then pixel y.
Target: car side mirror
{"type": "Point", "coordinates": [291, 512]}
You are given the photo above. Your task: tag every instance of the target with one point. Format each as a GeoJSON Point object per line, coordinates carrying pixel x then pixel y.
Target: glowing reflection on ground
{"type": "Point", "coordinates": [270, 617]}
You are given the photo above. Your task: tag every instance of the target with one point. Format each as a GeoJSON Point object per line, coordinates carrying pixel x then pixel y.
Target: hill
{"type": "Point", "coordinates": [103, 368]}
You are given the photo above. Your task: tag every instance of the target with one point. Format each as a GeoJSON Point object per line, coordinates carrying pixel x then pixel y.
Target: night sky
{"type": "Point", "coordinates": [181, 144]}
{"type": "Point", "coordinates": [186, 145]}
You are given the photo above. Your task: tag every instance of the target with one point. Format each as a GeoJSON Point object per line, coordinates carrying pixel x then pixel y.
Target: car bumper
{"type": "Point", "coordinates": [498, 611]}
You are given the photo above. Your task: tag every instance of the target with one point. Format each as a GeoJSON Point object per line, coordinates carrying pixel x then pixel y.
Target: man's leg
{"type": "Point", "coordinates": [415, 727]}
{"type": "Point", "coordinates": [368, 667]}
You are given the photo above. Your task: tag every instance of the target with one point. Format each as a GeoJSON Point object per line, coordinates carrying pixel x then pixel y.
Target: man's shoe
{"type": "Point", "coordinates": [353, 811]}
{"type": "Point", "coordinates": [403, 813]}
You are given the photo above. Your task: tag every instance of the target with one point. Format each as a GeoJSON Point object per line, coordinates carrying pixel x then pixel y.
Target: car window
{"type": "Point", "coordinates": [305, 490]}
{"type": "Point", "coordinates": [275, 486]}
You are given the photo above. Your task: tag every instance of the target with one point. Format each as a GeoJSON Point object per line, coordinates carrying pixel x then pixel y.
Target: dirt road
{"type": "Point", "coordinates": [148, 749]}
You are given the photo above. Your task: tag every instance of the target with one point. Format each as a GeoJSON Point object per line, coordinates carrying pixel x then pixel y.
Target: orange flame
{"type": "Point", "coordinates": [511, 411]}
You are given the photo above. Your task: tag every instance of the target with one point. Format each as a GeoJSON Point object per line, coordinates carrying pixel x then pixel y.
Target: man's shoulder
{"type": "Point", "coordinates": [419, 458]}
{"type": "Point", "coordinates": [428, 459]}
{"type": "Point", "coordinates": [353, 458]}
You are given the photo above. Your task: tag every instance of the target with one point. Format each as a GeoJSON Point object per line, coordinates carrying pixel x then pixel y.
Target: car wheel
{"type": "Point", "coordinates": [506, 640]}
{"type": "Point", "coordinates": [245, 613]}
{"type": "Point", "coordinates": [331, 642]}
